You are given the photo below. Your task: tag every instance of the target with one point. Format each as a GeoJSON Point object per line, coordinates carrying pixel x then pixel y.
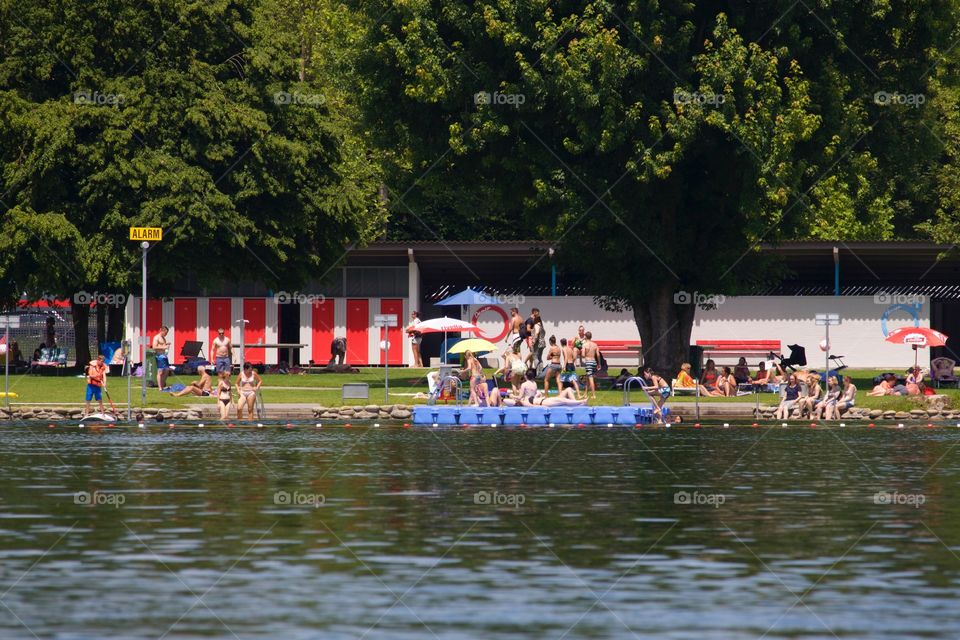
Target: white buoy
{"type": "Point", "coordinates": [139, 425]}
{"type": "Point", "coordinates": [784, 424]}
{"type": "Point", "coordinates": [81, 425]}
{"type": "Point", "coordinates": [259, 425]}
{"type": "Point", "coordinates": [493, 424]}
{"type": "Point", "coordinates": [843, 424]}
{"type": "Point", "coordinates": [435, 424]}
{"type": "Point", "coordinates": [726, 425]}
{"type": "Point", "coordinates": [376, 424]}
{"type": "Point", "coordinates": [609, 424]}
{"type": "Point", "coordinates": [900, 426]}
{"type": "Point", "coordinates": [552, 425]}
{"type": "Point", "coordinates": [200, 425]}
{"type": "Point", "coordinates": [319, 426]}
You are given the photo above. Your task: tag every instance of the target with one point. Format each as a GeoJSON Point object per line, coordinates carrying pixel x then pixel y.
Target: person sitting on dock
{"type": "Point", "coordinates": [826, 408]}
{"type": "Point", "coordinates": [484, 395]}
{"type": "Point", "coordinates": [806, 404]}
{"type": "Point", "coordinates": [849, 397]}
{"type": "Point", "coordinates": [565, 398]}
{"type": "Point", "coordinates": [791, 394]}
{"type": "Point", "coordinates": [199, 387]}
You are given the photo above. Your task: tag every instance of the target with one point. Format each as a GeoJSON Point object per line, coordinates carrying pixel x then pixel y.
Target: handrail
{"type": "Point", "coordinates": [643, 387]}
{"type": "Point", "coordinates": [261, 409]}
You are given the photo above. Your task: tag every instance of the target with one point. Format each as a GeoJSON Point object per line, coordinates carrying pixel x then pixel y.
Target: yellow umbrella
{"type": "Point", "coordinates": [477, 345]}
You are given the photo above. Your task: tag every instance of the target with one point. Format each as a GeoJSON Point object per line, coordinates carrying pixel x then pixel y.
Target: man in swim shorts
{"type": "Point", "coordinates": [221, 352]}
{"type": "Point", "coordinates": [513, 335]}
{"type": "Point", "coordinates": [160, 345]}
{"type": "Point", "coordinates": [569, 374]}
{"type": "Point", "coordinates": [589, 351]}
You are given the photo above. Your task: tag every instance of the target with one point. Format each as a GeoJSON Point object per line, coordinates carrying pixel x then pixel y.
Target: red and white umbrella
{"type": "Point", "coordinates": [917, 337]}
{"type": "Point", "coordinates": [446, 325]}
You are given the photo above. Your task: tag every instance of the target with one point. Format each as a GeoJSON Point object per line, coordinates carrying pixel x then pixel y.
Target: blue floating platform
{"type": "Point", "coordinates": [495, 416]}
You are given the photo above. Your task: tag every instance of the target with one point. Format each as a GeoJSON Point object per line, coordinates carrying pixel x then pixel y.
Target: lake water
{"type": "Point", "coordinates": [400, 533]}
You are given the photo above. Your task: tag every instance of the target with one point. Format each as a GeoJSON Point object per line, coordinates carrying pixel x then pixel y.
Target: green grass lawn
{"type": "Point", "coordinates": [324, 389]}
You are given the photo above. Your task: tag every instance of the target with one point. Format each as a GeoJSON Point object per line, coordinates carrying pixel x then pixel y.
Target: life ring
{"type": "Point", "coordinates": [503, 314]}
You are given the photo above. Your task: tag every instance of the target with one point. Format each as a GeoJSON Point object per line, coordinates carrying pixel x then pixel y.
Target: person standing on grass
{"type": "Point", "coordinates": [221, 352]}
{"type": "Point", "coordinates": [552, 369]}
{"type": "Point", "coordinates": [160, 345]}
{"type": "Point", "coordinates": [96, 380]}
{"type": "Point", "coordinates": [577, 343]}
{"type": "Point", "coordinates": [589, 351]}
{"type": "Point", "coordinates": [415, 338]}
{"type": "Point", "coordinates": [516, 326]}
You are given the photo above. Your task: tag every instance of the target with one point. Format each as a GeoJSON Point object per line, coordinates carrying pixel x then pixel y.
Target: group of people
{"type": "Point", "coordinates": [803, 395]}
{"type": "Point", "coordinates": [890, 385]}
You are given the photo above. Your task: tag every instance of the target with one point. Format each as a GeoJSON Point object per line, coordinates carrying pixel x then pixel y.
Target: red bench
{"type": "Point", "coordinates": [620, 349]}
{"type": "Point", "coordinates": [716, 349]}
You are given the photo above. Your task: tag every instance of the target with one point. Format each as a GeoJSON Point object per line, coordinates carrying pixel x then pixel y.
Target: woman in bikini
{"type": "Point", "coordinates": [552, 369]}
{"type": "Point", "coordinates": [709, 376]}
{"type": "Point", "coordinates": [249, 383]}
{"type": "Point", "coordinates": [475, 369]}
{"type": "Point", "coordinates": [224, 394]}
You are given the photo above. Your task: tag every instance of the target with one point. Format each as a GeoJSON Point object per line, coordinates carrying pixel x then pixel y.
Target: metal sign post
{"type": "Point", "coordinates": [8, 322]}
{"type": "Point", "coordinates": [243, 338]}
{"type": "Point", "coordinates": [144, 235]}
{"type": "Point", "coordinates": [145, 246]}
{"type": "Point", "coordinates": [128, 372]}
{"type": "Point", "coordinates": [386, 321]}
{"type": "Point", "coordinates": [825, 320]}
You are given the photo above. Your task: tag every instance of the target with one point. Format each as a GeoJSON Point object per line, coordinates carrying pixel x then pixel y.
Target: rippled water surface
{"type": "Point", "coordinates": [399, 533]}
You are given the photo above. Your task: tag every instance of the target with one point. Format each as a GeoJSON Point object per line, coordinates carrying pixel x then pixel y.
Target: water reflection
{"type": "Point", "coordinates": [479, 534]}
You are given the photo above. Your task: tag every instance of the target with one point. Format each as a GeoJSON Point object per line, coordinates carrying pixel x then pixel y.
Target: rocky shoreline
{"type": "Point", "coordinates": [936, 408]}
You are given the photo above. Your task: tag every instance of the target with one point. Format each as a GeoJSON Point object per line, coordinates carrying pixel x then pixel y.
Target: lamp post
{"type": "Point", "coordinates": [826, 320]}
{"type": "Point", "coordinates": [144, 246]}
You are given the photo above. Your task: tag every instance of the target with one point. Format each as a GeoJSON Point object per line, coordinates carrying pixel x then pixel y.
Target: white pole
{"type": "Point", "coordinates": [826, 370]}
{"type": "Point", "coordinates": [6, 366]}
{"type": "Point", "coordinates": [243, 339]}
{"type": "Point", "coordinates": [143, 327]}
{"type": "Point", "coordinates": [386, 368]}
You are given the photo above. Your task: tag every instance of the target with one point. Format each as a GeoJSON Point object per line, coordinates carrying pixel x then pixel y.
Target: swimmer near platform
{"type": "Point", "coordinates": [501, 416]}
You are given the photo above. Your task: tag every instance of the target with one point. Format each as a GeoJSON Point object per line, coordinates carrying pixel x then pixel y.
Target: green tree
{"type": "Point", "coordinates": [194, 117]}
{"type": "Point", "coordinates": [659, 144]}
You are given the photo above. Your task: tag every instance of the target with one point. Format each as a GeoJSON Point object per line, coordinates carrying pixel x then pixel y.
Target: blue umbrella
{"type": "Point", "coordinates": [467, 296]}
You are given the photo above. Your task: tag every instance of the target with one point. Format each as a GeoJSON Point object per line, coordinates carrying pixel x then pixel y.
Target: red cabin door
{"type": "Point", "coordinates": [321, 332]}
{"type": "Point", "coordinates": [255, 310]}
{"type": "Point", "coordinates": [184, 326]}
{"type": "Point", "coordinates": [395, 306]}
{"type": "Point", "coordinates": [358, 324]}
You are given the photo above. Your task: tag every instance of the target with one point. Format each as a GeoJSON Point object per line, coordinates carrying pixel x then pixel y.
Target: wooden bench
{"type": "Point", "coordinates": [716, 349]}
{"type": "Point", "coordinates": [620, 349]}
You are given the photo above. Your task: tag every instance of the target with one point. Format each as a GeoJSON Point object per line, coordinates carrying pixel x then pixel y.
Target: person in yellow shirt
{"type": "Point", "coordinates": [686, 381]}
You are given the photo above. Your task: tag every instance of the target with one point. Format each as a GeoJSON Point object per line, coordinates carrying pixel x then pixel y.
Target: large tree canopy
{"type": "Point", "coordinates": [659, 143]}
{"type": "Point", "coordinates": [196, 117]}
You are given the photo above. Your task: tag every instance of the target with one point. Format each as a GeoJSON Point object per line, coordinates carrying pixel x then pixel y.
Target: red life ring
{"type": "Point", "coordinates": [503, 314]}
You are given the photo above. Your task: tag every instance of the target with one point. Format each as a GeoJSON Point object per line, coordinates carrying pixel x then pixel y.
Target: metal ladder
{"type": "Point", "coordinates": [658, 408]}
{"type": "Point", "coordinates": [261, 410]}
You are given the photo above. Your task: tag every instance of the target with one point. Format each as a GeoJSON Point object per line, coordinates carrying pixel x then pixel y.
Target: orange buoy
{"type": "Point", "coordinates": [871, 425]}
{"type": "Point", "coordinates": [406, 425]}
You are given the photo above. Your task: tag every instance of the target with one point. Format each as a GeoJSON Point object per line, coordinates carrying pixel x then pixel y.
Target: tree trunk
{"type": "Point", "coordinates": [101, 326]}
{"type": "Point", "coordinates": [115, 322]}
{"type": "Point", "coordinates": [81, 325]}
{"type": "Point", "coordinates": [665, 329]}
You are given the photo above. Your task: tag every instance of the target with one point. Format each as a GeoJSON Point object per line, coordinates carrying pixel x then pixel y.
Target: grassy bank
{"type": "Point", "coordinates": [325, 389]}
